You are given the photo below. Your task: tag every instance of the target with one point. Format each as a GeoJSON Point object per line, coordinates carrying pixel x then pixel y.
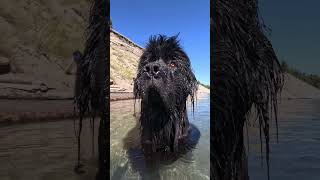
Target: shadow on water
{"type": "Point", "coordinates": [148, 167]}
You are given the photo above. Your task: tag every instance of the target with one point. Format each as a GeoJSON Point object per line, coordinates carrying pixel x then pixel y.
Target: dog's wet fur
{"type": "Point", "coordinates": [91, 88]}
{"type": "Point", "coordinates": [148, 165]}
{"type": "Point", "coordinates": [246, 75]}
{"type": "Point", "coordinates": [164, 82]}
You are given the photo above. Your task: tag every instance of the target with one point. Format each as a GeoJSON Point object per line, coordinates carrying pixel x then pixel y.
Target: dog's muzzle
{"type": "Point", "coordinates": [152, 70]}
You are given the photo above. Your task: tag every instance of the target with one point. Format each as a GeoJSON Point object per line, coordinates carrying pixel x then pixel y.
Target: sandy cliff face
{"type": "Point", "coordinates": [38, 38]}
{"type": "Point", "coordinates": [124, 57]}
{"type": "Point", "coordinates": [54, 28]}
{"type": "Point", "coordinates": [37, 41]}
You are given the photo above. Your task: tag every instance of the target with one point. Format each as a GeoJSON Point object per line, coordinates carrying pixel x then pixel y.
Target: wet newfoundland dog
{"type": "Point", "coordinates": [164, 82]}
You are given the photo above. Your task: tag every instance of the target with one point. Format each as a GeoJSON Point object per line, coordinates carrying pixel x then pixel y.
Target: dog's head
{"type": "Point", "coordinates": [165, 78]}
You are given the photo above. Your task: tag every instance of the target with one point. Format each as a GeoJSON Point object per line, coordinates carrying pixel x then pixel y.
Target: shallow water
{"type": "Point", "coordinates": [45, 151]}
{"type": "Point", "coordinates": [123, 131]}
{"type": "Point", "coordinates": [297, 155]}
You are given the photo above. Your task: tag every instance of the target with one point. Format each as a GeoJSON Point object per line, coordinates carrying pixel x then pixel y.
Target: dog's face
{"type": "Point", "coordinates": [164, 74]}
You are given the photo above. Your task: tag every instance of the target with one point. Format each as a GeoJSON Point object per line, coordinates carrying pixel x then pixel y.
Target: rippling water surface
{"type": "Point", "coordinates": [297, 155]}
{"type": "Point", "coordinates": [47, 151]}
{"type": "Point", "coordinates": [193, 165]}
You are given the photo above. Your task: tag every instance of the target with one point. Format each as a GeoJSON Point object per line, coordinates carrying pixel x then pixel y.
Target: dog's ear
{"type": "Point", "coordinates": [77, 56]}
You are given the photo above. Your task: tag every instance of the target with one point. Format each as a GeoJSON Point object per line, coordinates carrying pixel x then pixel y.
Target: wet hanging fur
{"type": "Point", "coordinates": [246, 73]}
{"type": "Point", "coordinates": [91, 91]}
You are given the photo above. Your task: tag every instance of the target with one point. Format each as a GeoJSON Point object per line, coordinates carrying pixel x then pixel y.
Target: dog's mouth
{"type": "Point", "coordinates": [154, 100]}
{"type": "Point", "coordinates": [152, 96]}
{"type": "Point", "coordinates": [154, 107]}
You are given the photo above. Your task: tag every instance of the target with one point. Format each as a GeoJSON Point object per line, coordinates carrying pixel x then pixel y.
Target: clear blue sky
{"type": "Point", "coordinates": [295, 31]}
{"type": "Point", "coordinates": [138, 19]}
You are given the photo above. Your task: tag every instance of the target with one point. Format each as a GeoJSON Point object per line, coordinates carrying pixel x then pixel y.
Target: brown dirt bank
{"type": "Point", "coordinates": [296, 89]}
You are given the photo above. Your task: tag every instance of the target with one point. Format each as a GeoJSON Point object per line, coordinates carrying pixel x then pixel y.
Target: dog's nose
{"type": "Point", "coordinates": [152, 69]}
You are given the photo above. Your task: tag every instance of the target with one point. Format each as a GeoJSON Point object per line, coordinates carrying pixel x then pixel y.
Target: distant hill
{"type": "Point", "coordinates": [296, 88]}
{"type": "Point", "coordinates": [311, 79]}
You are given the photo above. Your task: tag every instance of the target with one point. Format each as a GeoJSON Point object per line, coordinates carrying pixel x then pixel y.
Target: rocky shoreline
{"type": "Point", "coordinates": [118, 96]}
{"type": "Point", "coordinates": [30, 109]}
{"type": "Point", "coordinates": [34, 110]}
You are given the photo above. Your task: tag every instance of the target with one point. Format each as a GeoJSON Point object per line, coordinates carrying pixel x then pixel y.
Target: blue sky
{"type": "Point", "coordinates": [295, 32]}
{"type": "Point", "coordinates": [138, 19]}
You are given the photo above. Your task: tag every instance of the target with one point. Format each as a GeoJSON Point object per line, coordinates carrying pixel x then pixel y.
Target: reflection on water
{"type": "Point", "coordinates": [297, 154]}
{"type": "Point", "coordinates": [129, 163]}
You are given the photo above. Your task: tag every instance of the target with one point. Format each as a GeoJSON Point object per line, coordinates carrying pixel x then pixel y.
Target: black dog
{"type": "Point", "coordinates": [246, 73]}
{"type": "Point", "coordinates": [164, 82]}
{"type": "Point", "coordinates": [91, 86]}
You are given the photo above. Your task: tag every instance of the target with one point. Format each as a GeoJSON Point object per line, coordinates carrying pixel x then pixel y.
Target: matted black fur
{"type": "Point", "coordinates": [245, 74]}
{"type": "Point", "coordinates": [91, 87]}
{"type": "Point", "coordinates": [164, 82]}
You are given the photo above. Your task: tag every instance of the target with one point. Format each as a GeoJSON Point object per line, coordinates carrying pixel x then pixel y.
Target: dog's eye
{"type": "Point", "coordinates": [172, 65]}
